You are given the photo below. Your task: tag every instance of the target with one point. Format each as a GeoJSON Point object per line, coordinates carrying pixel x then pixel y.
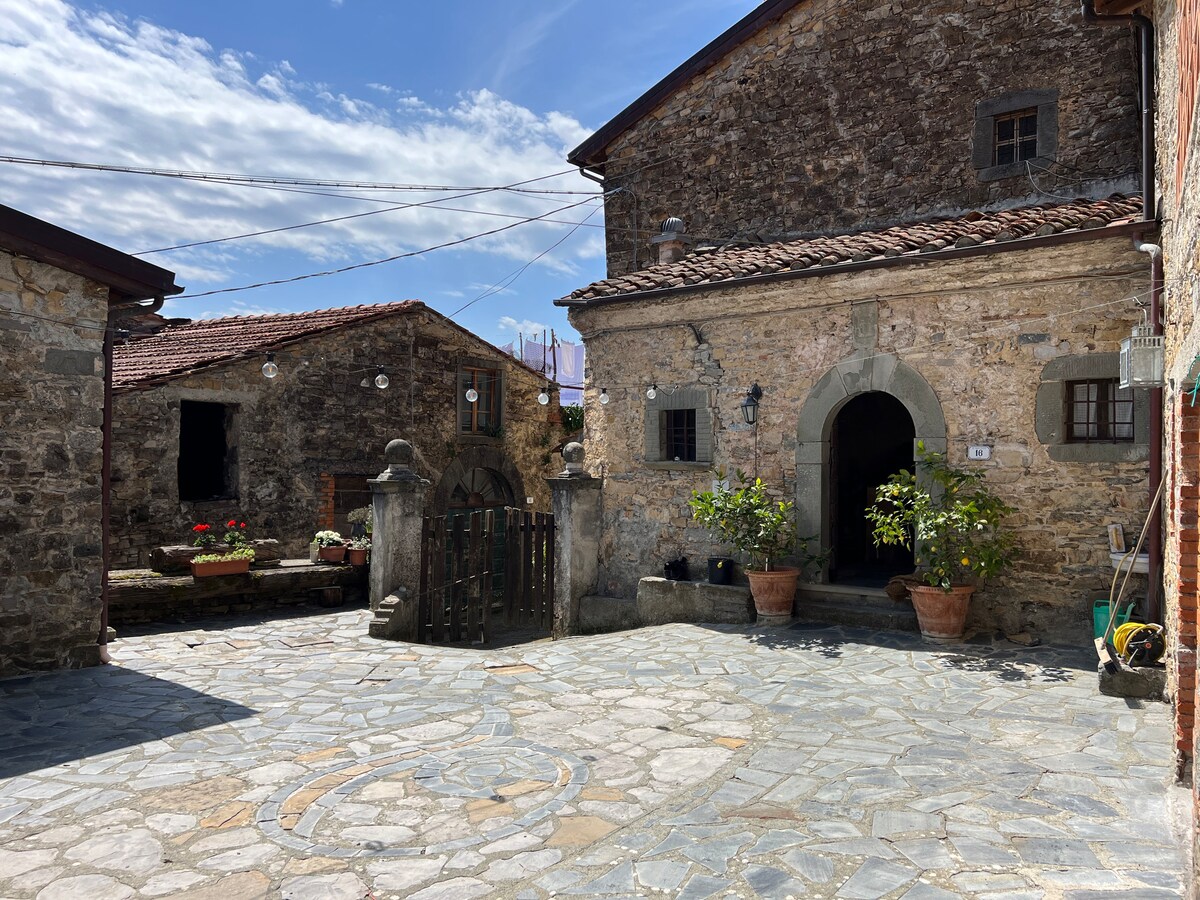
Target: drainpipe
{"type": "Point", "coordinates": [1145, 28]}
{"type": "Point", "coordinates": [1146, 58]}
{"type": "Point", "coordinates": [115, 314]}
{"type": "Point", "coordinates": [1153, 606]}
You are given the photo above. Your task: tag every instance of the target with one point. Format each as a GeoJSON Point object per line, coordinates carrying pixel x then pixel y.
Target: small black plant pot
{"type": "Point", "coordinates": [720, 570]}
{"type": "Point", "coordinates": [676, 569]}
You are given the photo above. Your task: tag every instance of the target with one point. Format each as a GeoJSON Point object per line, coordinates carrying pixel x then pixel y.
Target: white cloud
{"type": "Point", "coordinates": [525, 326]}
{"type": "Point", "coordinates": [98, 87]}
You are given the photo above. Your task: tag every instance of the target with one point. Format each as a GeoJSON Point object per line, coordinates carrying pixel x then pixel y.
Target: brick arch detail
{"type": "Point", "coordinates": [476, 458]}
{"type": "Point", "coordinates": [857, 375]}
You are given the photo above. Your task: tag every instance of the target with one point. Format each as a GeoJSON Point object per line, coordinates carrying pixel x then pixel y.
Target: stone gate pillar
{"type": "Point", "coordinates": [576, 505]}
{"type": "Point", "coordinates": [397, 503]}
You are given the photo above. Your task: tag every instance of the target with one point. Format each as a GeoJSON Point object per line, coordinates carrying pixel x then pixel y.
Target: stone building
{"type": "Point", "coordinates": [1174, 28]}
{"type": "Point", "coordinates": [879, 232]}
{"type": "Point", "coordinates": [60, 293]}
{"type": "Point", "coordinates": [202, 434]}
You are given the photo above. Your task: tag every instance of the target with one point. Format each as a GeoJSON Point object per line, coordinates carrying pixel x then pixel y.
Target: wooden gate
{"type": "Point", "coordinates": [483, 571]}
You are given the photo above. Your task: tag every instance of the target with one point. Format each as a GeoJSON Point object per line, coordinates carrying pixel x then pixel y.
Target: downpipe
{"type": "Point", "coordinates": [1153, 608]}
{"type": "Point", "coordinates": [115, 315]}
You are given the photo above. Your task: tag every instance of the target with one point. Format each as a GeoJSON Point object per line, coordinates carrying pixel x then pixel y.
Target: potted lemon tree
{"type": "Point", "coordinates": [954, 521]}
{"type": "Point", "coordinates": [750, 520]}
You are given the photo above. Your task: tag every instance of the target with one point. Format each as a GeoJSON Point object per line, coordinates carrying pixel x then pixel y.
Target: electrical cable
{"type": "Point", "coordinates": [241, 179]}
{"type": "Point", "coordinates": [377, 262]}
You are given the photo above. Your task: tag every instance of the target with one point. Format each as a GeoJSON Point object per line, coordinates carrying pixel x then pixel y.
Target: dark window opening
{"type": "Point", "coordinates": [1099, 411]}
{"type": "Point", "coordinates": [482, 416]}
{"type": "Point", "coordinates": [677, 434]}
{"type": "Point", "coordinates": [350, 492]}
{"type": "Point", "coordinates": [1015, 137]}
{"type": "Point", "coordinates": [207, 462]}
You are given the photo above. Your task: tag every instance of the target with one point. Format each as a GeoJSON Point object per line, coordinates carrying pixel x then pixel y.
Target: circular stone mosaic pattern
{"type": "Point", "coordinates": [414, 800]}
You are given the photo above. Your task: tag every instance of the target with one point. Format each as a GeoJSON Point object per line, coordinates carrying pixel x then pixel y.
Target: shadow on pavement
{"type": "Point", "coordinates": [53, 718]}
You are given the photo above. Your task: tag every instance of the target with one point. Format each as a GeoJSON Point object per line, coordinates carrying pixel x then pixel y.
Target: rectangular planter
{"type": "Point", "coordinates": [220, 567]}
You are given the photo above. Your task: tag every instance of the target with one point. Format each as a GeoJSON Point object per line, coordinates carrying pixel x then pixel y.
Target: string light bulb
{"type": "Point", "coordinates": [472, 395]}
{"type": "Point", "coordinates": [544, 396]}
{"type": "Point", "coordinates": [269, 369]}
{"type": "Point", "coordinates": [652, 392]}
{"type": "Point", "coordinates": [381, 380]}
{"type": "Point", "coordinates": [604, 396]}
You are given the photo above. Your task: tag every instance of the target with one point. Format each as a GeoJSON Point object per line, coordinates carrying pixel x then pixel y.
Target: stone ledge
{"type": "Point", "coordinates": [660, 602]}
{"type": "Point", "coordinates": [1141, 683]}
{"type": "Point", "coordinates": [150, 598]}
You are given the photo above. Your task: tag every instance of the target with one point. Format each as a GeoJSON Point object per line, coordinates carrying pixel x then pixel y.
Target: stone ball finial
{"type": "Point", "coordinates": [399, 454]}
{"type": "Point", "coordinates": [572, 455]}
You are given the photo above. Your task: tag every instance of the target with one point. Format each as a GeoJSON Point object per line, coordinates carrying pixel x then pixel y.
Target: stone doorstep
{"type": "Point", "coordinates": [832, 604]}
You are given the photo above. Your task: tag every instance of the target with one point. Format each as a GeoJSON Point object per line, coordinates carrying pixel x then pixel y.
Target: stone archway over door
{"type": "Point", "coordinates": [844, 381]}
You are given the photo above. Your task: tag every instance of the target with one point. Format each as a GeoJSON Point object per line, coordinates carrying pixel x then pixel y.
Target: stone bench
{"type": "Point", "coordinates": [140, 595]}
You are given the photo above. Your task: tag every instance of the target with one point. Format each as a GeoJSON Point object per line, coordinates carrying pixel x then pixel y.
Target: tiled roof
{"type": "Point", "coordinates": [739, 260]}
{"type": "Point", "coordinates": [181, 349]}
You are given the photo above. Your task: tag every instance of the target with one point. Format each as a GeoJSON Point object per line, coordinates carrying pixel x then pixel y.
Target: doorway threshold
{"type": "Point", "coordinates": [846, 604]}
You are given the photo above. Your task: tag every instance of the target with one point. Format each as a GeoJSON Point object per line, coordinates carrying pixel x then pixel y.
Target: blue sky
{"type": "Point", "coordinates": [463, 92]}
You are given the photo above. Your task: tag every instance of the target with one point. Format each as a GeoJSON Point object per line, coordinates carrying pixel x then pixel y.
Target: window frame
{"type": "Point", "coordinates": [1050, 416]}
{"type": "Point", "coordinates": [699, 401]}
{"type": "Point", "coordinates": [1105, 408]}
{"type": "Point", "coordinates": [475, 432]}
{"type": "Point", "coordinates": [988, 112]}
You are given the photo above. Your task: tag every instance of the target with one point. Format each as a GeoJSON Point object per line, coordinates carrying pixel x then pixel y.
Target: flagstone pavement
{"type": "Point", "coordinates": [298, 758]}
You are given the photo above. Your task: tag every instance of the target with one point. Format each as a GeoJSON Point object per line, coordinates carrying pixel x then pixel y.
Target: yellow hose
{"type": "Point", "coordinates": [1122, 634]}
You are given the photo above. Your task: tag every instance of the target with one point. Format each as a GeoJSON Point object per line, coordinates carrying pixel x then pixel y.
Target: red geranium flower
{"type": "Point", "coordinates": [201, 527]}
{"type": "Point", "coordinates": [231, 523]}
{"type": "Point", "coordinates": [242, 525]}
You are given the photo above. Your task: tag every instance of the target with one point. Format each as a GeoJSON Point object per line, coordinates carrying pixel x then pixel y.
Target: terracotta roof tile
{"type": "Point", "coordinates": [736, 261]}
{"type": "Point", "coordinates": [181, 349]}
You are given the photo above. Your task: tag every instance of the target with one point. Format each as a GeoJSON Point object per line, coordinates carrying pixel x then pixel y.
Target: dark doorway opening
{"type": "Point", "coordinates": [872, 439]}
{"type": "Point", "coordinates": [207, 466]}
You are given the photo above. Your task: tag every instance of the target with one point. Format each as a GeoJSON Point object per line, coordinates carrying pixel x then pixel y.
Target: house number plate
{"type": "Point", "coordinates": [979, 451]}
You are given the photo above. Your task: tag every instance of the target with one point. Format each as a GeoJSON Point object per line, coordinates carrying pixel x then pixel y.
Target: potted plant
{"type": "Point", "coordinates": [751, 521]}
{"type": "Point", "coordinates": [230, 562]}
{"type": "Point", "coordinates": [954, 520]}
{"type": "Point", "coordinates": [356, 550]}
{"type": "Point", "coordinates": [330, 547]}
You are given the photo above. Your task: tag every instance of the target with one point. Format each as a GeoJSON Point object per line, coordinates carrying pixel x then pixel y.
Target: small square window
{"type": "Point", "coordinates": [1099, 411]}
{"type": "Point", "coordinates": [482, 416]}
{"type": "Point", "coordinates": [1015, 137]}
{"type": "Point", "coordinates": [677, 435]}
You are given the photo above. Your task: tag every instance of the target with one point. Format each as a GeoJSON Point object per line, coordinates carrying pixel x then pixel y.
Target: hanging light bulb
{"type": "Point", "coordinates": [381, 380]}
{"type": "Point", "coordinates": [269, 369]}
{"type": "Point", "coordinates": [544, 396]}
{"type": "Point", "coordinates": [652, 392]}
{"type": "Point", "coordinates": [604, 396]}
{"type": "Point", "coordinates": [472, 394]}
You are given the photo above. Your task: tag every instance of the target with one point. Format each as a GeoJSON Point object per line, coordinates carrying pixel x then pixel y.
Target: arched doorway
{"type": "Point", "coordinates": [480, 488]}
{"type": "Point", "coordinates": [815, 467]}
{"type": "Point", "coordinates": [871, 439]}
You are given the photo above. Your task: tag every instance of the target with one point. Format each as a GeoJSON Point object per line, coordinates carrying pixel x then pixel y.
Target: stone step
{"type": "Point", "coordinates": [835, 604]}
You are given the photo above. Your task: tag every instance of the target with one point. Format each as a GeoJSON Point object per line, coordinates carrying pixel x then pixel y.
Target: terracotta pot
{"type": "Point", "coordinates": [941, 614]}
{"type": "Point", "coordinates": [357, 557]}
{"type": "Point", "coordinates": [334, 554]}
{"type": "Point", "coordinates": [774, 592]}
{"type": "Point", "coordinates": [220, 567]}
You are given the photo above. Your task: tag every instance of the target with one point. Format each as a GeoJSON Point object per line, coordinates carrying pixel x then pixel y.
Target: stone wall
{"type": "Point", "coordinates": [854, 113]}
{"type": "Point", "coordinates": [315, 422]}
{"type": "Point", "coordinates": [1179, 192]}
{"type": "Point", "coordinates": [51, 402]}
{"type": "Point", "coordinates": [980, 332]}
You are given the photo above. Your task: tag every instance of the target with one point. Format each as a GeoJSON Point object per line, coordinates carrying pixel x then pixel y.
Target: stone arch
{"type": "Point", "coordinates": [847, 379]}
{"type": "Point", "coordinates": [470, 458]}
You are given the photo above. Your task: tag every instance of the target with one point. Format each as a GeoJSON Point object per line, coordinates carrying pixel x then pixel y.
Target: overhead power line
{"type": "Point", "coordinates": [240, 179]}
{"type": "Point", "coordinates": [379, 262]}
